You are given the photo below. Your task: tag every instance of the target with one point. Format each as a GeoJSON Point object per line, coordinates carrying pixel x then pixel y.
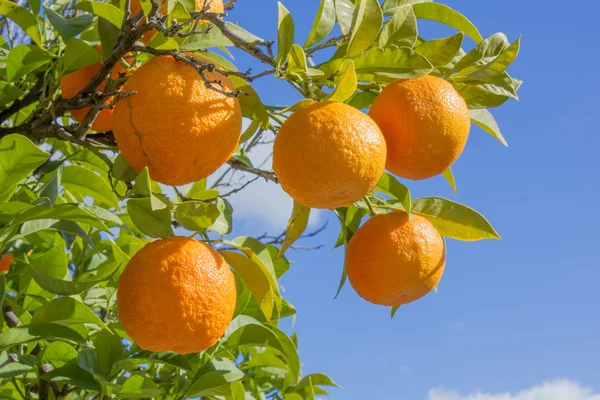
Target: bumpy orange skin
{"type": "Point", "coordinates": [176, 294]}
{"type": "Point", "coordinates": [5, 261]}
{"type": "Point", "coordinates": [392, 261]}
{"type": "Point", "coordinates": [175, 125]}
{"type": "Point", "coordinates": [328, 155]}
{"type": "Point", "coordinates": [73, 83]}
{"type": "Point", "coordinates": [426, 124]}
{"type": "Point", "coordinates": [135, 7]}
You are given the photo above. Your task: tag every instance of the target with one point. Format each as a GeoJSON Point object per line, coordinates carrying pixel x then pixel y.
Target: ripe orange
{"type": "Point", "coordinates": [74, 82]}
{"type": "Point", "coordinates": [176, 294]}
{"type": "Point", "coordinates": [5, 261]}
{"type": "Point", "coordinates": [392, 261]}
{"type": "Point", "coordinates": [328, 155]}
{"type": "Point", "coordinates": [215, 6]}
{"type": "Point", "coordinates": [174, 124]}
{"type": "Point", "coordinates": [426, 124]}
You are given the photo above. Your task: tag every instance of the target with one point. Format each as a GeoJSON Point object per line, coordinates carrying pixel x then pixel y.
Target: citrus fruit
{"type": "Point", "coordinates": [74, 83]}
{"type": "Point", "coordinates": [215, 6]}
{"type": "Point", "coordinates": [426, 124]}
{"type": "Point", "coordinates": [176, 294]}
{"type": "Point", "coordinates": [392, 261]}
{"type": "Point", "coordinates": [174, 124]}
{"type": "Point", "coordinates": [5, 261]}
{"type": "Point", "coordinates": [328, 155]}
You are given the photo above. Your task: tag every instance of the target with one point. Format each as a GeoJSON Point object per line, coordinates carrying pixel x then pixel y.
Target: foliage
{"type": "Point", "coordinates": [73, 212]}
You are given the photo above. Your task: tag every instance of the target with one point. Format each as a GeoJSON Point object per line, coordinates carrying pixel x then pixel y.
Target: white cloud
{"type": "Point", "coordinates": [263, 202]}
{"type": "Point", "coordinates": [562, 389]}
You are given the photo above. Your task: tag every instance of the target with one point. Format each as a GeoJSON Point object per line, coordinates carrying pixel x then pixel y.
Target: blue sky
{"type": "Point", "coordinates": [516, 315]}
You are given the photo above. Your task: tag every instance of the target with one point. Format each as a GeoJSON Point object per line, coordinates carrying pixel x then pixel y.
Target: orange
{"type": "Point", "coordinates": [215, 6]}
{"type": "Point", "coordinates": [392, 261]}
{"type": "Point", "coordinates": [176, 294]}
{"type": "Point", "coordinates": [426, 124]}
{"type": "Point", "coordinates": [74, 82]}
{"type": "Point", "coordinates": [5, 261]}
{"type": "Point", "coordinates": [174, 124]}
{"type": "Point", "coordinates": [328, 155]}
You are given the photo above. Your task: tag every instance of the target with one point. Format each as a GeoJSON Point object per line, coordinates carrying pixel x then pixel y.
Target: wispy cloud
{"type": "Point", "coordinates": [562, 389]}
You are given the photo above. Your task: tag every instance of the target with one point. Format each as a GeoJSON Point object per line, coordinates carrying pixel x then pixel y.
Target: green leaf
{"type": "Point", "coordinates": [346, 87]}
{"type": "Point", "coordinates": [24, 59]}
{"type": "Point", "coordinates": [297, 61]}
{"type": "Point", "coordinates": [488, 93]}
{"type": "Point", "coordinates": [242, 33]}
{"type": "Point", "coordinates": [37, 332]}
{"type": "Point", "coordinates": [391, 6]}
{"type": "Point", "coordinates": [122, 171]}
{"type": "Point", "coordinates": [250, 131]}
{"type": "Point", "coordinates": [67, 287]}
{"type": "Point", "coordinates": [400, 30]}
{"type": "Point", "coordinates": [58, 353]}
{"type": "Point", "coordinates": [19, 157]}
{"type": "Point", "coordinates": [224, 223]}
{"type": "Point", "coordinates": [402, 63]}
{"type": "Point", "coordinates": [71, 227]}
{"type": "Point", "coordinates": [255, 278]}
{"type": "Point", "coordinates": [317, 379]}
{"type": "Point", "coordinates": [214, 379]}
{"type": "Point", "coordinates": [23, 18]}
{"type": "Point", "coordinates": [485, 120]}
{"type": "Point", "coordinates": [109, 34]}
{"type": "Point", "coordinates": [68, 28]}
{"type": "Point", "coordinates": [393, 311]}
{"type": "Point", "coordinates": [104, 10]}
{"type": "Point", "coordinates": [9, 93]}
{"type": "Point", "coordinates": [389, 185]}
{"type": "Point", "coordinates": [83, 182]}
{"type": "Point", "coordinates": [454, 220]}
{"type": "Point", "coordinates": [500, 63]}
{"type": "Point", "coordinates": [252, 105]}
{"type": "Point", "coordinates": [366, 27]}
{"type": "Point", "coordinates": [362, 100]}
{"type": "Point", "coordinates": [296, 226]}
{"type": "Point", "coordinates": [138, 387]}
{"type": "Point", "coordinates": [143, 187]}
{"type": "Point", "coordinates": [441, 13]}
{"type": "Point", "coordinates": [259, 253]}
{"type": "Point", "coordinates": [213, 38]}
{"type": "Point", "coordinates": [152, 223]}
{"type": "Point", "coordinates": [169, 358]}
{"type": "Point", "coordinates": [350, 219]}
{"type": "Point", "coordinates": [19, 364]}
{"type": "Point", "coordinates": [74, 375]}
{"type": "Point", "coordinates": [244, 330]}
{"type": "Point", "coordinates": [344, 13]}
{"type": "Point", "coordinates": [450, 178]}
{"type": "Point", "coordinates": [324, 22]}
{"type": "Point", "coordinates": [237, 391]}
{"type": "Point", "coordinates": [51, 188]}
{"type": "Point", "coordinates": [87, 359]}
{"type": "Point", "coordinates": [2, 289]}
{"type": "Point", "coordinates": [440, 52]}
{"type": "Point", "coordinates": [485, 52]}
{"type": "Point", "coordinates": [195, 215]}
{"type": "Point", "coordinates": [66, 311]}
{"type": "Point", "coordinates": [77, 54]}
{"type": "Point", "coordinates": [285, 34]}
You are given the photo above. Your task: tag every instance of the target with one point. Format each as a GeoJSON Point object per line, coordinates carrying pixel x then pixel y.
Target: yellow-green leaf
{"type": "Point", "coordinates": [104, 10]}
{"type": "Point", "coordinates": [296, 226]}
{"type": "Point", "coordinates": [485, 120]}
{"type": "Point", "coordinates": [23, 18]}
{"type": "Point", "coordinates": [441, 13]}
{"type": "Point", "coordinates": [450, 178]}
{"type": "Point", "coordinates": [366, 27]}
{"type": "Point", "coordinates": [285, 34]}
{"type": "Point", "coordinates": [454, 220]}
{"type": "Point", "coordinates": [400, 30]}
{"type": "Point", "coordinates": [324, 22]}
{"type": "Point", "coordinates": [254, 277]}
{"type": "Point", "coordinates": [347, 85]}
